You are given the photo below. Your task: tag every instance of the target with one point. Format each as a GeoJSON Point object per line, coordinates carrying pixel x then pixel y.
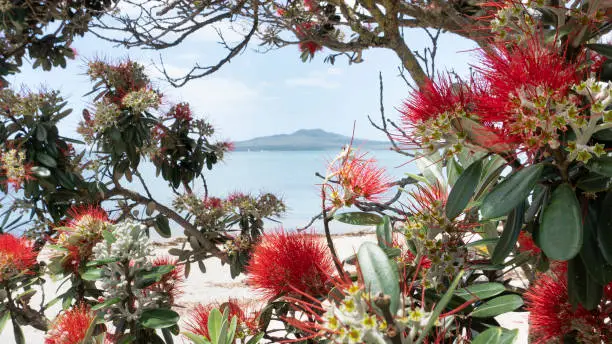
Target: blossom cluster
{"type": "Point", "coordinates": [76, 240]}
{"type": "Point", "coordinates": [525, 98]}
{"type": "Point", "coordinates": [353, 176]}
{"type": "Point", "coordinates": [14, 167]}
{"type": "Point", "coordinates": [17, 257]}
{"type": "Point", "coordinates": [552, 316]}
{"type": "Point", "coordinates": [436, 239]}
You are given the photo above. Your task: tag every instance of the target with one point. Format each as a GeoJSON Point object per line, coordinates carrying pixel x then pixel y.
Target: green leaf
{"type": "Point", "coordinates": [512, 229]}
{"type": "Point", "coordinates": [215, 320]}
{"type": "Point", "coordinates": [440, 306]}
{"type": "Point", "coordinates": [379, 274]}
{"type": "Point", "coordinates": [196, 338]}
{"type": "Point", "coordinates": [231, 331]}
{"type": "Point", "coordinates": [453, 171]}
{"type": "Point", "coordinates": [358, 218]}
{"type": "Point", "coordinates": [482, 242]}
{"type": "Point", "coordinates": [481, 291]}
{"type": "Point", "coordinates": [146, 278]}
{"type": "Point", "coordinates": [109, 237]}
{"type": "Point", "coordinates": [106, 303]}
{"type": "Point", "coordinates": [508, 194]}
{"type": "Point", "coordinates": [384, 233]}
{"type": "Point", "coordinates": [19, 337]}
{"type": "Point", "coordinates": [167, 336]}
{"type": "Point", "coordinates": [46, 159]}
{"type": "Point", "coordinates": [158, 318]}
{"type": "Point", "coordinates": [41, 133]}
{"type": "Point", "coordinates": [92, 274]}
{"type": "Point", "coordinates": [590, 253]}
{"type": "Point", "coordinates": [603, 49]}
{"type": "Point", "coordinates": [5, 316]}
{"type": "Point", "coordinates": [604, 224]}
{"type": "Point", "coordinates": [560, 233]}
{"type": "Point", "coordinates": [102, 261]}
{"type": "Point", "coordinates": [497, 306]}
{"type": "Point", "coordinates": [40, 171]}
{"type": "Point", "coordinates": [593, 182]}
{"type": "Point", "coordinates": [431, 167]}
{"type": "Point", "coordinates": [601, 165]}
{"type": "Point", "coordinates": [496, 335]}
{"type": "Point", "coordinates": [150, 208]}
{"type": "Point", "coordinates": [581, 287]}
{"type": "Point", "coordinates": [255, 339]}
{"type": "Point", "coordinates": [162, 226]}
{"type": "Point", "coordinates": [463, 190]}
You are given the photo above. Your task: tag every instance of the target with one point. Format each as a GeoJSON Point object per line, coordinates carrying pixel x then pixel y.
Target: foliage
{"type": "Point", "coordinates": [43, 31]}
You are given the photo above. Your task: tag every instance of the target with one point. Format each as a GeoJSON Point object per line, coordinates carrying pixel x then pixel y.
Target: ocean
{"type": "Point", "coordinates": [291, 176]}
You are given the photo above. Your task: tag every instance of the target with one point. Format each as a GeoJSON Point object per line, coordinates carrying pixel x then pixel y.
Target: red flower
{"type": "Point", "coordinates": [87, 216]}
{"type": "Point", "coordinates": [17, 256]}
{"type": "Point", "coordinates": [181, 112]}
{"type": "Point", "coordinates": [283, 261]}
{"type": "Point", "coordinates": [213, 203]}
{"type": "Point", "coordinates": [310, 46]}
{"type": "Point", "coordinates": [435, 115]}
{"type": "Point", "coordinates": [71, 326]}
{"type": "Point", "coordinates": [304, 32]}
{"type": "Point", "coordinates": [172, 282]}
{"type": "Point", "coordinates": [519, 70]}
{"type": "Point", "coordinates": [81, 233]}
{"type": "Point", "coordinates": [526, 243]}
{"type": "Point", "coordinates": [357, 177]}
{"type": "Point", "coordinates": [434, 99]}
{"type": "Point", "coordinates": [525, 83]}
{"type": "Point", "coordinates": [246, 318]}
{"type": "Point", "coordinates": [552, 316]}
{"type": "Point", "coordinates": [311, 5]}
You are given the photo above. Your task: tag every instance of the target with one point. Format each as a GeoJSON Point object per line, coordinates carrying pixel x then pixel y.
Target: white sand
{"type": "Point", "coordinates": [217, 285]}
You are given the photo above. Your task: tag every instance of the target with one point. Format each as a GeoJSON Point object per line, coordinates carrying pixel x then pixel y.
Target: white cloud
{"type": "Point", "coordinates": [317, 79]}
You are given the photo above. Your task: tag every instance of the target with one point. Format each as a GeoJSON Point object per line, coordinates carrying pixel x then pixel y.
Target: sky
{"type": "Point", "coordinates": [260, 94]}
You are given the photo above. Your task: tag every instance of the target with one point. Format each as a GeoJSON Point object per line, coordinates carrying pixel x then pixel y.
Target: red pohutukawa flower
{"type": "Point", "coordinates": [171, 283]}
{"type": "Point", "coordinates": [527, 86]}
{"type": "Point", "coordinates": [71, 326]}
{"type": "Point", "coordinates": [282, 262]}
{"type": "Point", "coordinates": [181, 112]}
{"type": "Point", "coordinates": [82, 232]}
{"type": "Point", "coordinates": [442, 114]}
{"type": "Point", "coordinates": [526, 243]}
{"type": "Point", "coordinates": [304, 31]}
{"type": "Point", "coordinates": [357, 177]}
{"type": "Point", "coordinates": [197, 322]}
{"type": "Point", "coordinates": [17, 256]}
{"type": "Point", "coordinates": [552, 316]}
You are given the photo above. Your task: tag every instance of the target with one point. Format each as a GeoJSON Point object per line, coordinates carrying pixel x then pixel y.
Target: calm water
{"type": "Point", "coordinates": [290, 175]}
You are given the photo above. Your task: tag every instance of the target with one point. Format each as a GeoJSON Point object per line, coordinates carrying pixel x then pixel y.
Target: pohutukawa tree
{"type": "Point", "coordinates": [514, 185]}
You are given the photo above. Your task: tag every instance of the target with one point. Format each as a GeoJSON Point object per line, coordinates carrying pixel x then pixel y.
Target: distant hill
{"type": "Point", "coordinates": [307, 139]}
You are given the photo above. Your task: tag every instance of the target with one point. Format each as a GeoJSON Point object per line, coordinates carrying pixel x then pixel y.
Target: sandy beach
{"type": "Point", "coordinates": [217, 285]}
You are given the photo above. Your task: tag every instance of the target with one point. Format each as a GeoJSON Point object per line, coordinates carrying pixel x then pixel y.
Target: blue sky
{"type": "Point", "coordinates": [261, 94]}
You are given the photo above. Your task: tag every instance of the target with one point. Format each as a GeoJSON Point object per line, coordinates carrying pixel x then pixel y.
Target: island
{"type": "Point", "coordinates": [307, 139]}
